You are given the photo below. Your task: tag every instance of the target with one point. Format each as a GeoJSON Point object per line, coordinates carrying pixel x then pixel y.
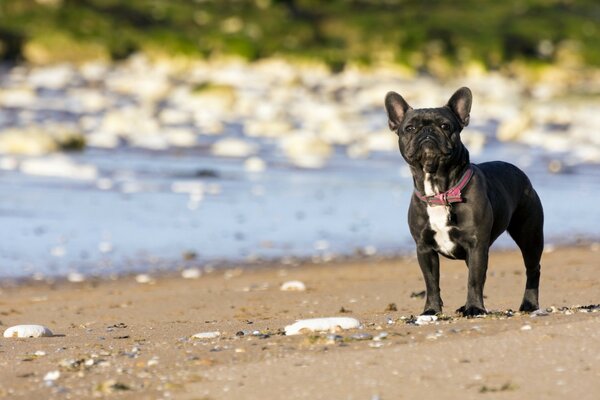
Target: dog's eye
{"type": "Point", "coordinates": [409, 129]}
{"type": "Point", "coordinates": [445, 127]}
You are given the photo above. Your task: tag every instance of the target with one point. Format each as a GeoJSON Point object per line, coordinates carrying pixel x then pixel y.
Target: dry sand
{"type": "Point", "coordinates": [129, 340]}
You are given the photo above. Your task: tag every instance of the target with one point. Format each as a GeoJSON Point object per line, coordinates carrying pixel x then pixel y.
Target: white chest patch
{"type": "Point", "coordinates": [438, 220]}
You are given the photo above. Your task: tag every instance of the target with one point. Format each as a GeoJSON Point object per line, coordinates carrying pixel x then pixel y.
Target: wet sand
{"type": "Point", "coordinates": [129, 340]}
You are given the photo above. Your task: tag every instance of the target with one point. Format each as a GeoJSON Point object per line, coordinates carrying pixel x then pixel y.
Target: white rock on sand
{"type": "Point", "coordinates": [206, 335]}
{"type": "Point", "coordinates": [426, 319]}
{"type": "Point", "coordinates": [293, 286]}
{"type": "Point", "coordinates": [321, 325]}
{"type": "Point", "coordinates": [27, 331]}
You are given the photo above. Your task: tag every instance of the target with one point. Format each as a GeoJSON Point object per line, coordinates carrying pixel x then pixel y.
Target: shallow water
{"type": "Point", "coordinates": [133, 218]}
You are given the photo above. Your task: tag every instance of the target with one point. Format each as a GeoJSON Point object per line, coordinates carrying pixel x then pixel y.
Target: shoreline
{"type": "Point", "coordinates": [221, 265]}
{"type": "Point", "coordinates": [132, 340]}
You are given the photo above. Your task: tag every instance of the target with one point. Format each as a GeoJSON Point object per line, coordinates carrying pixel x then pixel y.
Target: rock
{"type": "Point", "coordinates": [255, 164]}
{"type": "Point", "coordinates": [191, 273]}
{"type": "Point", "coordinates": [31, 142]}
{"type": "Point", "coordinates": [539, 313]}
{"type": "Point", "coordinates": [8, 163]}
{"type": "Point", "coordinates": [321, 324]}
{"type": "Point", "coordinates": [267, 128]}
{"type": "Point", "coordinates": [206, 335]}
{"type": "Point", "coordinates": [20, 97]}
{"type": "Point", "coordinates": [306, 150]}
{"type": "Point", "coordinates": [513, 128]}
{"type": "Point", "coordinates": [59, 167]}
{"type": "Point", "coordinates": [180, 137]}
{"type": "Point", "coordinates": [425, 319]}
{"type": "Point", "coordinates": [232, 147]}
{"type": "Point", "coordinates": [75, 277]}
{"type": "Point", "coordinates": [144, 278]}
{"type": "Point", "coordinates": [381, 141]}
{"type": "Point", "coordinates": [27, 331]}
{"type": "Point", "coordinates": [52, 77]}
{"type": "Point", "coordinates": [526, 328]}
{"type": "Point", "coordinates": [293, 286]}
{"type": "Point", "coordinates": [361, 336]}
{"type": "Point", "coordinates": [52, 376]}
{"type": "Point", "coordinates": [174, 116]}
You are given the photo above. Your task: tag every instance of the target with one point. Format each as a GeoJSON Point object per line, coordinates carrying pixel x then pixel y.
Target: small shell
{"type": "Point", "coordinates": [207, 335]}
{"type": "Point", "coordinates": [321, 324]}
{"type": "Point", "coordinates": [293, 286]}
{"type": "Point", "coordinates": [27, 331]}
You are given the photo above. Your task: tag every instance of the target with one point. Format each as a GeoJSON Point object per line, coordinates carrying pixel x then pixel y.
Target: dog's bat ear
{"type": "Point", "coordinates": [396, 108]}
{"type": "Point", "coordinates": [460, 104]}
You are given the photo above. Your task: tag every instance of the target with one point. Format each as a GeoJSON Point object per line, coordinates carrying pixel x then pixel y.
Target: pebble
{"type": "Point", "coordinates": [52, 376]}
{"type": "Point", "coordinates": [191, 273]}
{"type": "Point", "coordinates": [28, 331]}
{"type": "Point", "coordinates": [206, 335]}
{"type": "Point", "coordinates": [59, 167]}
{"type": "Point", "coordinates": [321, 324]}
{"type": "Point", "coordinates": [425, 319]}
{"type": "Point", "coordinates": [255, 164]}
{"type": "Point", "coordinates": [75, 277]}
{"type": "Point", "coordinates": [361, 336]}
{"type": "Point", "coordinates": [293, 286]}
{"type": "Point", "coordinates": [539, 313]}
{"type": "Point", "coordinates": [231, 147]}
{"type": "Point", "coordinates": [526, 328]}
{"type": "Point", "coordinates": [144, 278]}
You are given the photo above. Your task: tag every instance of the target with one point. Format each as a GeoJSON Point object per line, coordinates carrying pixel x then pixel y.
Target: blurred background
{"type": "Point", "coordinates": [173, 134]}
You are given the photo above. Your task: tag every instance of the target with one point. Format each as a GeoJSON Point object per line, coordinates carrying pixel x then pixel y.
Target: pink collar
{"type": "Point", "coordinates": [451, 196]}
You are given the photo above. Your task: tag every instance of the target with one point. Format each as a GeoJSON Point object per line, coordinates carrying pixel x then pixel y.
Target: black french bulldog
{"type": "Point", "coordinates": [458, 209]}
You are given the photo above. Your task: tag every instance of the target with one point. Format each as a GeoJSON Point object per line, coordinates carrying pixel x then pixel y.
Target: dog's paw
{"type": "Point", "coordinates": [528, 306]}
{"type": "Point", "coordinates": [471, 311]}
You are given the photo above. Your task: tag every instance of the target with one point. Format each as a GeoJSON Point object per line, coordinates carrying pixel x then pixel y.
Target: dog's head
{"type": "Point", "coordinates": [429, 137]}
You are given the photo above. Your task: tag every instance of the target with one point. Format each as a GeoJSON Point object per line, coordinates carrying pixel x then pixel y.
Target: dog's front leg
{"type": "Point", "coordinates": [429, 261]}
{"type": "Point", "coordinates": [477, 262]}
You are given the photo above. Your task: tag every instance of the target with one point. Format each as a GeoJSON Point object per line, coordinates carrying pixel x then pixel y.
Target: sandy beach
{"type": "Point", "coordinates": [125, 339]}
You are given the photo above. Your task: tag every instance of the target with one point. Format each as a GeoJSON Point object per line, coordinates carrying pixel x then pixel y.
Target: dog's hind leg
{"type": "Point", "coordinates": [527, 230]}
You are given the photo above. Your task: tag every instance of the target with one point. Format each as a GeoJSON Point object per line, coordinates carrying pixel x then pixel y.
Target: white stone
{"type": "Point", "coordinates": [8, 163]}
{"type": "Point", "coordinates": [27, 331]}
{"type": "Point", "coordinates": [293, 286]}
{"type": "Point", "coordinates": [52, 376]}
{"type": "Point", "coordinates": [232, 147]}
{"type": "Point", "coordinates": [53, 77]}
{"type": "Point", "coordinates": [31, 142]}
{"type": "Point", "coordinates": [75, 277]}
{"type": "Point", "coordinates": [426, 319]}
{"type": "Point", "coordinates": [206, 335]}
{"type": "Point", "coordinates": [60, 167]}
{"type": "Point", "coordinates": [180, 137]}
{"type": "Point", "coordinates": [187, 187]}
{"type": "Point", "coordinates": [321, 324]}
{"type": "Point", "coordinates": [268, 128]}
{"type": "Point", "coordinates": [144, 278]}
{"type": "Point", "coordinates": [191, 273]}
{"type": "Point", "coordinates": [306, 150]}
{"type": "Point", "coordinates": [255, 164]}
{"type": "Point", "coordinates": [526, 328]}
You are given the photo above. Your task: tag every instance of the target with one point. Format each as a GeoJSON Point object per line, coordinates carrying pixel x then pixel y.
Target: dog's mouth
{"type": "Point", "coordinates": [429, 151]}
